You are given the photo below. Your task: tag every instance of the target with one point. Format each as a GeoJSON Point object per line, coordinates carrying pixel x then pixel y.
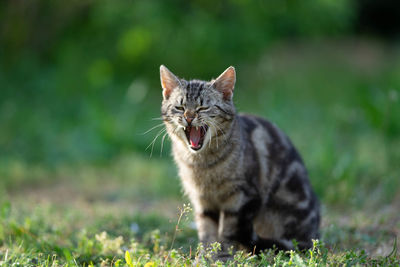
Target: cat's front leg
{"type": "Point", "coordinates": [207, 226]}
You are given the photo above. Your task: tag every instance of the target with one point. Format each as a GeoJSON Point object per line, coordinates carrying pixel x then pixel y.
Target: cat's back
{"type": "Point", "coordinates": [276, 156]}
{"type": "Point", "coordinates": [263, 134]}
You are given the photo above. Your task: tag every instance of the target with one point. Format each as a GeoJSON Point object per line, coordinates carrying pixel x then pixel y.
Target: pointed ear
{"type": "Point", "coordinates": [168, 81]}
{"type": "Point", "coordinates": [225, 83]}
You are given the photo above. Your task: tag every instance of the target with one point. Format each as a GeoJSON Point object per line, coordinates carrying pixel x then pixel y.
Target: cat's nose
{"type": "Point", "coordinates": [189, 117]}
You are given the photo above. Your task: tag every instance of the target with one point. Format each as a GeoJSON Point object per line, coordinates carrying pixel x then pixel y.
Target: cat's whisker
{"type": "Point", "coordinates": [217, 128]}
{"type": "Point", "coordinates": [222, 131]}
{"type": "Point", "coordinates": [162, 143]}
{"type": "Point", "coordinates": [177, 128]}
{"type": "Point", "coordinates": [157, 119]}
{"type": "Point", "coordinates": [216, 124]}
{"type": "Point", "coordinates": [152, 128]}
{"type": "Point", "coordinates": [216, 136]}
{"type": "Point", "coordinates": [205, 130]}
{"type": "Point", "coordinates": [154, 140]}
{"type": "Point", "coordinates": [211, 135]}
{"type": "Point", "coordinates": [206, 123]}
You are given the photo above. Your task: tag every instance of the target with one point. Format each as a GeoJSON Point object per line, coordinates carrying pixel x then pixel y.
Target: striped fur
{"type": "Point", "coordinates": [247, 182]}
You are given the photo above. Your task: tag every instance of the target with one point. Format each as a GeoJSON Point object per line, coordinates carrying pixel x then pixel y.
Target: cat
{"type": "Point", "coordinates": [246, 181]}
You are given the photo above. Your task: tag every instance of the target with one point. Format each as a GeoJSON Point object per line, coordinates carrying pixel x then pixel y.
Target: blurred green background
{"type": "Point", "coordinates": [79, 85]}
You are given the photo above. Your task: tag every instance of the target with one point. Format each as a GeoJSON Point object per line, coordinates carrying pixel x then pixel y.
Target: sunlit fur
{"type": "Point", "coordinates": [247, 183]}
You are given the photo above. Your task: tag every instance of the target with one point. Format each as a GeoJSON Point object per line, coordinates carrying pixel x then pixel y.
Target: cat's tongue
{"type": "Point", "coordinates": [195, 136]}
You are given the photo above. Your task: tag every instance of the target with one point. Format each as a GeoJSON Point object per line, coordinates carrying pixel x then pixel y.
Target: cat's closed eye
{"type": "Point", "coordinates": [202, 109]}
{"type": "Point", "coordinates": [181, 108]}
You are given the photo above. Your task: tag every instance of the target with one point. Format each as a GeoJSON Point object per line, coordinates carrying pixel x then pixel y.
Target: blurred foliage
{"type": "Point", "coordinates": [79, 80]}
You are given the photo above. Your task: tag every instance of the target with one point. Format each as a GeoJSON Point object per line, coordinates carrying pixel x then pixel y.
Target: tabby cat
{"type": "Point", "coordinates": [246, 181]}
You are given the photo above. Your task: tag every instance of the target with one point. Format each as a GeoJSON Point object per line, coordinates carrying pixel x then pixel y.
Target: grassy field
{"type": "Point", "coordinates": [339, 102]}
{"type": "Point", "coordinates": [94, 214]}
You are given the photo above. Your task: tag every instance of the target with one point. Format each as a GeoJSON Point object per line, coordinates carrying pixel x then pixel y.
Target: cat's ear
{"type": "Point", "coordinates": [168, 81]}
{"type": "Point", "coordinates": [225, 83]}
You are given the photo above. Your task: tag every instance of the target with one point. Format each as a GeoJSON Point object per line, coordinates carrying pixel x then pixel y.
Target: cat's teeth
{"type": "Point", "coordinates": [184, 128]}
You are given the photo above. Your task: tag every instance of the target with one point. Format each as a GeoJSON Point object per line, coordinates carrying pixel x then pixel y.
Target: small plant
{"type": "Point", "coordinates": [185, 210]}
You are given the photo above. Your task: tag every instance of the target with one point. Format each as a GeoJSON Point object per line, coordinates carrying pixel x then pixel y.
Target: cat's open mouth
{"type": "Point", "coordinates": [195, 136]}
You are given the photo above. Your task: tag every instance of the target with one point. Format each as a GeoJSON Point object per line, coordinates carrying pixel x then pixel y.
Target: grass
{"type": "Point", "coordinates": [337, 100]}
{"type": "Point", "coordinates": [89, 217]}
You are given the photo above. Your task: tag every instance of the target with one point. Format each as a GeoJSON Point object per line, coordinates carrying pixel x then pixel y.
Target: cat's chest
{"type": "Point", "coordinates": [204, 179]}
{"type": "Point", "coordinates": [208, 185]}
